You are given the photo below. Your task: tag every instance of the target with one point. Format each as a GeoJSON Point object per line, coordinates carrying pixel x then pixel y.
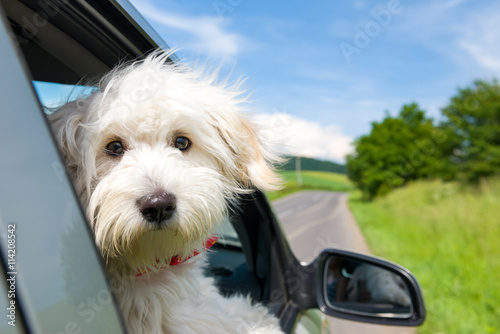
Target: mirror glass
{"type": "Point", "coordinates": [365, 289]}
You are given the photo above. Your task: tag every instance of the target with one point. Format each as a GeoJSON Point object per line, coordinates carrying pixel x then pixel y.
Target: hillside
{"type": "Point", "coordinates": [311, 180]}
{"type": "Point", "coordinates": [314, 164]}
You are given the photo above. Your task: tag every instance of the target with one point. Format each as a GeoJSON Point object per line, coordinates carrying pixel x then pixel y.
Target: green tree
{"type": "Point", "coordinates": [397, 150]}
{"type": "Point", "coordinates": [472, 120]}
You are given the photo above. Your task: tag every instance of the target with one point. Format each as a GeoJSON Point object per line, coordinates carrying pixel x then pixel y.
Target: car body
{"type": "Point", "coordinates": [54, 277]}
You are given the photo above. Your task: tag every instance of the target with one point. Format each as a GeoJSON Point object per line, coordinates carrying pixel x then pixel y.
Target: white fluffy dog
{"type": "Point", "coordinates": [156, 153]}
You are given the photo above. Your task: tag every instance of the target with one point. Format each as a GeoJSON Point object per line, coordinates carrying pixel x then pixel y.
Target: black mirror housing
{"type": "Point", "coordinates": [366, 289]}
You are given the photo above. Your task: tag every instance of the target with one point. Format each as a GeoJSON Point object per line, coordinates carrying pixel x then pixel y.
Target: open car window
{"type": "Point", "coordinates": [52, 94]}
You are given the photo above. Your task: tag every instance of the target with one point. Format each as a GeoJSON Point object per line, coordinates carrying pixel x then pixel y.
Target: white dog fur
{"type": "Point", "coordinates": [154, 128]}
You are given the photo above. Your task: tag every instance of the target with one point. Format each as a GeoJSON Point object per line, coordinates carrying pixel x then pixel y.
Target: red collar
{"type": "Point", "coordinates": [175, 260]}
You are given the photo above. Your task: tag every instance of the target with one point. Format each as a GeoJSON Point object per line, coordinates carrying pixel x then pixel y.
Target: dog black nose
{"type": "Point", "coordinates": [157, 208]}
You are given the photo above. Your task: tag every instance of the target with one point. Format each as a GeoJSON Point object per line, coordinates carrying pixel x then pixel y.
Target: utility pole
{"type": "Point", "coordinates": [297, 171]}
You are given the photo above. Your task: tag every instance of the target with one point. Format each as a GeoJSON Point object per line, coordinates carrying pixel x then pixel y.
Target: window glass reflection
{"type": "Point", "coordinates": [59, 290]}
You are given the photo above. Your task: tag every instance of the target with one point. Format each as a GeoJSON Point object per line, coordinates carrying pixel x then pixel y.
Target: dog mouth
{"type": "Point", "coordinates": [153, 225]}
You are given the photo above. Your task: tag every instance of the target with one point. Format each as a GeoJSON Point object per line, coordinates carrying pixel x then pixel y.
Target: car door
{"type": "Point", "coordinates": [56, 281]}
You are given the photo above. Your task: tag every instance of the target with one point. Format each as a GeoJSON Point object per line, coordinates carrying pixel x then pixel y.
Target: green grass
{"type": "Point", "coordinates": [449, 237]}
{"type": "Point", "coordinates": [312, 180]}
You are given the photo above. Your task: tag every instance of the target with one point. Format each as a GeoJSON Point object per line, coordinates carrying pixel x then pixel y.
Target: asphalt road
{"type": "Point", "coordinates": [314, 220]}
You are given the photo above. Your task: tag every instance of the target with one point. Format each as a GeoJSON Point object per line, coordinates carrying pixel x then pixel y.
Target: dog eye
{"type": "Point", "coordinates": [182, 143]}
{"type": "Point", "coordinates": [115, 148]}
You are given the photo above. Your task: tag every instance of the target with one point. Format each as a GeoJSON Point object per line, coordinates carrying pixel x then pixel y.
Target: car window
{"type": "Point", "coordinates": [53, 95]}
{"type": "Point", "coordinates": [12, 323]}
{"type": "Point", "coordinates": [59, 278]}
{"type": "Point", "coordinates": [228, 234]}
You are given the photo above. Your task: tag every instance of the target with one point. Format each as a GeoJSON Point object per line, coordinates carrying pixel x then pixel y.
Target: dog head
{"type": "Point", "coordinates": [156, 152]}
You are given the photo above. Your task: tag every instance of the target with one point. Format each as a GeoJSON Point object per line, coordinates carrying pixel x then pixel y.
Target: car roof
{"type": "Point", "coordinates": [106, 33]}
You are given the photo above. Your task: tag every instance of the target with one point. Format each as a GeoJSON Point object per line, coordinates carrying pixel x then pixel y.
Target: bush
{"type": "Point", "coordinates": [397, 150]}
{"type": "Point", "coordinates": [473, 124]}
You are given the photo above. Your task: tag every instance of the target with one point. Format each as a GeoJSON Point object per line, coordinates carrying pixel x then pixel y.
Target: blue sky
{"type": "Point", "coordinates": [321, 71]}
{"type": "Point", "coordinates": [333, 67]}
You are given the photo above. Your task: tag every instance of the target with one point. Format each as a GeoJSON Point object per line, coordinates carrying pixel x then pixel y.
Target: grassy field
{"type": "Point", "coordinates": [446, 234]}
{"type": "Point", "coordinates": [449, 237]}
{"type": "Point", "coordinates": [312, 180]}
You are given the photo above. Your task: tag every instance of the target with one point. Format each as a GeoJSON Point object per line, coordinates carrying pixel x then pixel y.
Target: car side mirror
{"type": "Point", "coordinates": [368, 289]}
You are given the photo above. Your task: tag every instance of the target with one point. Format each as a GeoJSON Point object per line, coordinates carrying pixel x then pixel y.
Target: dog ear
{"type": "Point", "coordinates": [66, 126]}
{"type": "Point", "coordinates": [254, 162]}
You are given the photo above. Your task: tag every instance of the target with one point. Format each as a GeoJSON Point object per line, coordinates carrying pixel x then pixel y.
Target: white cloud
{"type": "Point", "coordinates": [465, 32]}
{"type": "Point", "coordinates": [452, 3]}
{"type": "Point", "coordinates": [297, 136]}
{"type": "Point", "coordinates": [480, 38]}
{"type": "Point", "coordinates": [207, 33]}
